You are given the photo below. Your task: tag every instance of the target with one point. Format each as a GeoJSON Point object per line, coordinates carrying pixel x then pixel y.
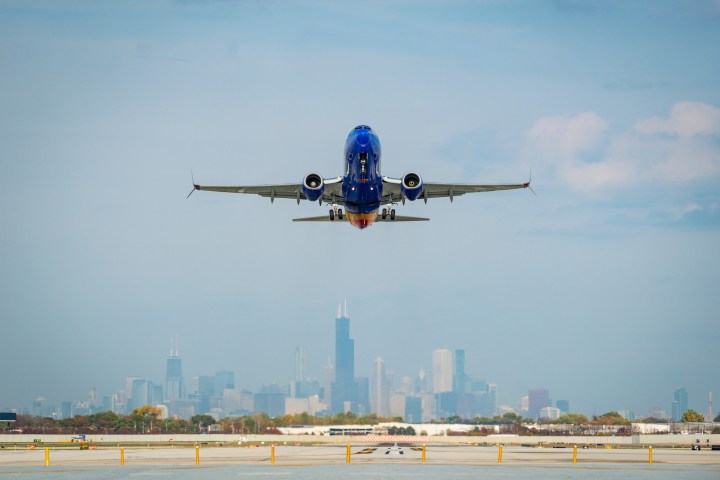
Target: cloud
{"type": "Point", "coordinates": [687, 119]}
{"type": "Point", "coordinates": [676, 150]}
{"type": "Point", "coordinates": [568, 136]}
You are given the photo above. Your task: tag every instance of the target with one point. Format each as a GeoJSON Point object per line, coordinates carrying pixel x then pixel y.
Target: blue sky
{"type": "Point", "coordinates": [603, 288]}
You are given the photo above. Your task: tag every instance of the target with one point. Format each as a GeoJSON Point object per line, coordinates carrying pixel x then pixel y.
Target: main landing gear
{"type": "Point", "coordinates": [388, 211]}
{"type": "Point", "coordinates": [336, 213]}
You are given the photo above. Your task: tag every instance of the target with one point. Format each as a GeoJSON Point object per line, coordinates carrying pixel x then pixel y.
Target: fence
{"type": "Point", "coordinates": [355, 453]}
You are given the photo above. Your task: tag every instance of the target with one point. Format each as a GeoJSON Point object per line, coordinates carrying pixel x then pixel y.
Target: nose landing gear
{"type": "Point", "coordinates": [336, 213]}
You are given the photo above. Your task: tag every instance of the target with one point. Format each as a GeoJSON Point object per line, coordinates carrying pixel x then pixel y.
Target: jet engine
{"type": "Point", "coordinates": [411, 186]}
{"type": "Point", "coordinates": [313, 186]}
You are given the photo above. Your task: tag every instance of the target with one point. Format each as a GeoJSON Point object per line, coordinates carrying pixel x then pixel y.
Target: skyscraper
{"type": "Point", "coordinates": [224, 380]}
{"type": "Point", "coordinates": [380, 394]}
{"type": "Point", "coordinates": [680, 404]}
{"type": "Point", "coordinates": [328, 380]}
{"type": "Point", "coordinates": [141, 393]}
{"type": "Point", "coordinates": [490, 404]}
{"type": "Point", "coordinates": [343, 388]}
{"type": "Point", "coordinates": [537, 399]}
{"type": "Point", "coordinates": [442, 373]}
{"type": "Point", "coordinates": [459, 377]}
{"type": "Point", "coordinates": [299, 364]}
{"type": "Point", "coordinates": [174, 386]}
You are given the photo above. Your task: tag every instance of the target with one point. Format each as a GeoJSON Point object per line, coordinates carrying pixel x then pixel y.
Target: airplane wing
{"type": "Point", "coordinates": [333, 190]}
{"type": "Point", "coordinates": [391, 189]}
{"type": "Point", "coordinates": [398, 218]}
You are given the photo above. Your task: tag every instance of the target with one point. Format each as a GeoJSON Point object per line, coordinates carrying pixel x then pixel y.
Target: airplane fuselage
{"type": "Point", "coordinates": [362, 184]}
{"type": "Point", "coordinates": [361, 189]}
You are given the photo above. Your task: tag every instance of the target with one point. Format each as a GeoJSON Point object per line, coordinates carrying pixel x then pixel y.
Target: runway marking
{"type": "Point", "coordinates": [366, 451]}
{"type": "Point", "coordinates": [149, 474]}
{"type": "Point", "coordinates": [253, 474]}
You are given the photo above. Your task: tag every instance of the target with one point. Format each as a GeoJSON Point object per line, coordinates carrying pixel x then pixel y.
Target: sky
{"type": "Point", "coordinates": [603, 288]}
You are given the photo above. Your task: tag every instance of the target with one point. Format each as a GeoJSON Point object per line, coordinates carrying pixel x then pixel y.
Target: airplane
{"type": "Point", "coordinates": [362, 190]}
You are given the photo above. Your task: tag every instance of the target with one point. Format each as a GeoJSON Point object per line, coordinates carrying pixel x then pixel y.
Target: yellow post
{"type": "Point", "coordinates": [272, 454]}
{"type": "Point", "coordinates": [574, 454]}
{"type": "Point", "coordinates": [423, 454]}
{"type": "Point", "coordinates": [122, 457]}
{"type": "Point", "coordinates": [47, 457]}
{"type": "Point", "coordinates": [650, 455]}
{"type": "Point", "coordinates": [347, 454]}
{"type": "Point", "coordinates": [499, 453]}
{"type": "Point", "coordinates": [197, 455]}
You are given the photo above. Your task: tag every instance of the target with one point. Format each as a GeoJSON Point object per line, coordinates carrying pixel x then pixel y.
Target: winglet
{"type": "Point", "coordinates": [195, 186]}
{"type": "Point", "coordinates": [527, 184]}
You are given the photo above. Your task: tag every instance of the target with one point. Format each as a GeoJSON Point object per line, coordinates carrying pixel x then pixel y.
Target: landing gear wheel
{"type": "Point", "coordinates": [392, 214]}
{"type": "Point", "coordinates": [384, 213]}
{"type": "Point", "coordinates": [340, 214]}
{"type": "Point", "coordinates": [332, 215]}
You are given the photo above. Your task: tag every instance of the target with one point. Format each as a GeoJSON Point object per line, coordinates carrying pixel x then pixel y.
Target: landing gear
{"type": "Point", "coordinates": [388, 211]}
{"type": "Point", "coordinates": [336, 212]}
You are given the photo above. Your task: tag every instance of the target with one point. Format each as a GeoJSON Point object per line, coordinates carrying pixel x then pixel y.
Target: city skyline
{"type": "Point", "coordinates": [217, 394]}
{"type": "Point", "coordinates": [601, 289]}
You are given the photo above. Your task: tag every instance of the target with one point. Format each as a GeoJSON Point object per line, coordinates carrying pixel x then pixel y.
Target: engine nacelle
{"type": "Point", "coordinates": [313, 186]}
{"type": "Point", "coordinates": [411, 186]}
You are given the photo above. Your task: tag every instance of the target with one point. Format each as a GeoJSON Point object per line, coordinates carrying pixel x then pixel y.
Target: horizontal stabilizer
{"type": "Point", "coordinates": [378, 219]}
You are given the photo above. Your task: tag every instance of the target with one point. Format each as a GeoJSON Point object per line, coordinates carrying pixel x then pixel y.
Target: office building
{"type": "Point", "coordinates": [224, 380]}
{"type": "Point", "coordinates": [299, 364]}
{"type": "Point", "coordinates": [271, 400]}
{"type": "Point", "coordinates": [549, 413]}
{"type": "Point", "coordinates": [174, 385]}
{"type": "Point", "coordinates": [460, 380]}
{"type": "Point", "coordinates": [344, 390]}
{"type": "Point", "coordinates": [442, 371]}
{"type": "Point", "coordinates": [379, 391]}
{"type": "Point", "coordinates": [563, 406]}
{"type": "Point", "coordinates": [679, 404]}
{"type": "Point", "coordinates": [537, 399]}
{"type": "Point", "coordinates": [413, 410]}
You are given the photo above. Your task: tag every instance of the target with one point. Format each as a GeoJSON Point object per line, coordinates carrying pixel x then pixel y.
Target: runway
{"type": "Point", "coordinates": [335, 455]}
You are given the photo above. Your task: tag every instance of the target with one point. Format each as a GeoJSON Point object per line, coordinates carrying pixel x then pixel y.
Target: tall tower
{"type": "Point", "coordinates": [380, 394]}
{"type": "Point", "coordinates": [442, 373]}
{"type": "Point", "coordinates": [459, 377]}
{"type": "Point", "coordinates": [328, 381]}
{"type": "Point", "coordinates": [299, 364]}
{"type": "Point", "coordinates": [680, 404]}
{"type": "Point", "coordinates": [343, 388]}
{"type": "Point", "coordinates": [710, 416]}
{"type": "Point", "coordinates": [174, 385]}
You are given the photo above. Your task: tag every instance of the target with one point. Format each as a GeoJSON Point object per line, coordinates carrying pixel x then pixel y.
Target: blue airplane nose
{"type": "Point", "coordinates": [363, 138]}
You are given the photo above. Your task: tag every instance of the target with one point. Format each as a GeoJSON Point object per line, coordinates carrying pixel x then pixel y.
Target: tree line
{"type": "Point", "coordinates": [146, 420]}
